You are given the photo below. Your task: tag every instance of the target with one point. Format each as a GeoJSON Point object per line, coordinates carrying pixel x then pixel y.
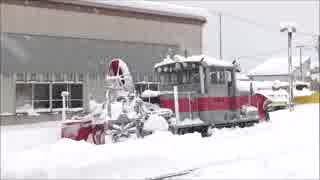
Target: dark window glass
{"type": "Point", "coordinates": [41, 91]}
{"type": "Point", "coordinates": [214, 77]}
{"type": "Point", "coordinates": [76, 91]}
{"type": "Point", "coordinates": [57, 104]}
{"type": "Point", "coordinates": [57, 89]}
{"type": "Point", "coordinates": [76, 104]}
{"type": "Point", "coordinates": [41, 104]}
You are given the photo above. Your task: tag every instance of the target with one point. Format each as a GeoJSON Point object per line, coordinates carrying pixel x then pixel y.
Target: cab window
{"type": "Point", "coordinates": [195, 76]}
{"type": "Point", "coordinates": [228, 76]}
{"type": "Point", "coordinates": [165, 78]}
{"type": "Point", "coordinates": [218, 76]}
{"type": "Point", "coordinates": [174, 78]}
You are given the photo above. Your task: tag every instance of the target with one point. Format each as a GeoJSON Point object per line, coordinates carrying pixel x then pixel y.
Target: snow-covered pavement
{"type": "Point", "coordinates": [287, 147]}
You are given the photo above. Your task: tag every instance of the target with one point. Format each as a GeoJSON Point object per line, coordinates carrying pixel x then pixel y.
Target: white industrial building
{"type": "Point", "coordinates": [50, 46]}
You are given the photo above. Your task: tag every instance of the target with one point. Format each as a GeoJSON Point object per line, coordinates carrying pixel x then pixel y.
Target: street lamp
{"type": "Point", "coordinates": [290, 29]}
{"type": "Point", "coordinates": [300, 55]}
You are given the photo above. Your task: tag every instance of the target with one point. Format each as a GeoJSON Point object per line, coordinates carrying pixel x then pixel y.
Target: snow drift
{"type": "Point", "coordinates": [285, 148]}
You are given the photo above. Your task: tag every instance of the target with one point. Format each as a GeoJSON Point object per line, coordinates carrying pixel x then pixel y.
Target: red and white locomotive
{"type": "Point", "coordinates": [207, 94]}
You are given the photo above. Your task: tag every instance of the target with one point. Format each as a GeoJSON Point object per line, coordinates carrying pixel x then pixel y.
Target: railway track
{"type": "Point", "coordinates": [175, 174]}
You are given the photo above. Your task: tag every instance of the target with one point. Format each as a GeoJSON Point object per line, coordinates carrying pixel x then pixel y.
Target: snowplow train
{"type": "Point", "coordinates": [197, 94]}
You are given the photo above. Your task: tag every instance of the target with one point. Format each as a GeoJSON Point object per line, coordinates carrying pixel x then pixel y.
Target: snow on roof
{"type": "Point", "coordinates": [277, 66]}
{"type": "Point", "coordinates": [141, 6]}
{"type": "Point", "coordinates": [208, 61]}
{"type": "Point", "coordinates": [244, 85]}
{"type": "Point", "coordinates": [290, 26]}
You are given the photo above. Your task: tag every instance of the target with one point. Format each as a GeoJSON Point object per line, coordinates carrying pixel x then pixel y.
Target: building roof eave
{"type": "Point", "coordinates": [115, 5]}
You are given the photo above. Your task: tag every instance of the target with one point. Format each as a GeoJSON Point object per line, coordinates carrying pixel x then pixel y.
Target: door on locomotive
{"type": "Point", "coordinates": [219, 97]}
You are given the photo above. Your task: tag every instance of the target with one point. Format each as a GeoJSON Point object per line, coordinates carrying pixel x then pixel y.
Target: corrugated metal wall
{"type": "Point", "coordinates": [35, 53]}
{"type": "Point", "coordinates": [7, 93]}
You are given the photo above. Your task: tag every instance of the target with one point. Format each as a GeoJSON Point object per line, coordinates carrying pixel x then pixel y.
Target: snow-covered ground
{"type": "Point", "coordinates": [285, 148]}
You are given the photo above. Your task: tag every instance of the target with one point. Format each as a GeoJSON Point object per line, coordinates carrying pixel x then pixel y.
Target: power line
{"type": "Point", "coordinates": [266, 27]}
{"type": "Point", "coordinates": [263, 54]}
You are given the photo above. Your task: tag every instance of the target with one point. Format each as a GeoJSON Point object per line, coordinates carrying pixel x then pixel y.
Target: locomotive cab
{"type": "Point", "coordinates": [207, 92]}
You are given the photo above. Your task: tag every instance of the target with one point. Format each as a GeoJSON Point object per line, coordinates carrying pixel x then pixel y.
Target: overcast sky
{"type": "Point", "coordinates": [251, 29]}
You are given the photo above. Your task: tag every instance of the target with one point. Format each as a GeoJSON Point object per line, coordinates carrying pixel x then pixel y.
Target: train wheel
{"type": "Point", "coordinates": [210, 130]}
{"type": "Point", "coordinates": [242, 124]}
{"type": "Point", "coordinates": [207, 131]}
{"type": "Point", "coordinates": [249, 124]}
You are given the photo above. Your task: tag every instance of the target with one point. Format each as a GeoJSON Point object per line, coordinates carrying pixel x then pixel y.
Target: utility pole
{"type": "Point", "coordinates": [185, 53]}
{"type": "Point", "coordinates": [300, 54]}
{"type": "Point", "coordinates": [290, 29]}
{"type": "Point", "coordinates": [318, 46]}
{"type": "Point", "coordinates": [220, 35]}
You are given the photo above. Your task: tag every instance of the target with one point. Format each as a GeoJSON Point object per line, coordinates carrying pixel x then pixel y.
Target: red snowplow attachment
{"type": "Point", "coordinates": [84, 129]}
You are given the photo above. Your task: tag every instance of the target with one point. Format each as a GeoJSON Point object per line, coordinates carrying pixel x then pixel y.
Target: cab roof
{"type": "Point", "coordinates": [203, 59]}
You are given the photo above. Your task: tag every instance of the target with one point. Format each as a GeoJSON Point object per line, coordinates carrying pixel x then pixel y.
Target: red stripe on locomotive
{"type": "Point", "coordinates": [214, 103]}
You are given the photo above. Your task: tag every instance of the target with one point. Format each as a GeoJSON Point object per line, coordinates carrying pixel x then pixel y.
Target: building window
{"type": "Point", "coordinates": [41, 96]}
{"type": "Point", "coordinates": [76, 97]}
{"type": "Point", "coordinates": [75, 100]}
{"type": "Point", "coordinates": [56, 94]}
{"type": "Point", "coordinates": [23, 97]}
{"type": "Point", "coordinates": [37, 96]}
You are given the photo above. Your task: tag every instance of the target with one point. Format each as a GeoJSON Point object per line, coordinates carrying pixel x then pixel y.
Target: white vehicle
{"type": "Point", "coordinates": [273, 90]}
{"type": "Point", "coordinates": [279, 97]}
{"type": "Point", "coordinates": [300, 88]}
